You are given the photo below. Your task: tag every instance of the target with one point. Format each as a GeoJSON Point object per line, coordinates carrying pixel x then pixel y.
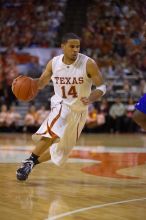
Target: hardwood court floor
{"type": "Point", "coordinates": [105, 179]}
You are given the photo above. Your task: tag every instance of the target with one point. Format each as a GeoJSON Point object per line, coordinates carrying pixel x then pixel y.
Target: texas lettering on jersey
{"type": "Point", "coordinates": [68, 80]}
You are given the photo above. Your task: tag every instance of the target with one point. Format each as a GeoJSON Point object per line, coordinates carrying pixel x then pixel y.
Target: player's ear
{"type": "Point", "coordinates": [62, 46]}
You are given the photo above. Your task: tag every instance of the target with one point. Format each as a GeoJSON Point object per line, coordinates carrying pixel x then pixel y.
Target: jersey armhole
{"type": "Point", "coordinates": [87, 74]}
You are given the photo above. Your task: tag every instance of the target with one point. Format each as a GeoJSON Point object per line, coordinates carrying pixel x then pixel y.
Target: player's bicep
{"type": "Point", "coordinates": [94, 72]}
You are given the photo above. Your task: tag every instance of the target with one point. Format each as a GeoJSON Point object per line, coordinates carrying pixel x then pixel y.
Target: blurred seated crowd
{"type": "Point", "coordinates": [102, 117]}
{"type": "Point", "coordinates": [9, 70]}
{"type": "Point", "coordinates": [12, 120]}
{"type": "Point", "coordinates": [32, 23]}
{"type": "Point", "coordinates": [115, 117]}
{"type": "Point", "coordinates": [113, 37]}
{"type": "Point", "coordinates": [25, 24]}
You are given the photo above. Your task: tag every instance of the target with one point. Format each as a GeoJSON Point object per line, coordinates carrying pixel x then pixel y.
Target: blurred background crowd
{"type": "Point", "coordinates": [111, 32]}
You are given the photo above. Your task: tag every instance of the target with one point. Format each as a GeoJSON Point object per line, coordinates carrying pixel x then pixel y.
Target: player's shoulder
{"type": "Point", "coordinates": [83, 58]}
{"type": "Point", "coordinates": [57, 57]}
{"type": "Point", "coordinates": [91, 63]}
{"type": "Point", "coordinates": [87, 58]}
{"type": "Point", "coordinates": [81, 55]}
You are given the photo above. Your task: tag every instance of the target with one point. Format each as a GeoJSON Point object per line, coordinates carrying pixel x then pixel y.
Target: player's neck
{"type": "Point", "coordinates": [67, 61]}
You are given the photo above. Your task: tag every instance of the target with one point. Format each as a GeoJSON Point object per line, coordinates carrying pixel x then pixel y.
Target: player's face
{"type": "Point", "coordinates": [71, 49]}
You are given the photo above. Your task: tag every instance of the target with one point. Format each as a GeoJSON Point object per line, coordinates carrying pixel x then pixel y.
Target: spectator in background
{"type": "Point", "coordinates": [126, 89]}
{"type": "Point", "coordinates": [95, 119]}
{"type": "Point", "coordinates": [101, 120]}
{"type": "Point", "coordinates": [142, 86]}
{"type": "Point", "coordinates": [2, 80]}
{"type": "Point", "coordinates": [104, 108]}
{"type": "Point", "coordinates": [3, 117]}
{"type": "Point", "coordinates": [31, 119]}
{"type": "Point", "coordinates": [42, 114]}
{"type": "Point", "coordinates": [130, 125]}
{"type": "Point", "coordinates": [91, 122]}
{"type": "Point", "coordinates": [11, 72]}
{"type": "Point", "coordinates": [13, 119]}
{"type": "Point", "coordinates": [33, 68]}
{"type": "Point", "coordinates": [117, 115]}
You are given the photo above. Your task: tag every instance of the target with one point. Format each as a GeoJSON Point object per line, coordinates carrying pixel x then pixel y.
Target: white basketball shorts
{"type": "Point", "coordinates": [65, 124]}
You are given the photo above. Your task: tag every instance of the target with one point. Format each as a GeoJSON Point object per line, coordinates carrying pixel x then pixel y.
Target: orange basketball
{"type": "Point", "coordinates": [24, 88]}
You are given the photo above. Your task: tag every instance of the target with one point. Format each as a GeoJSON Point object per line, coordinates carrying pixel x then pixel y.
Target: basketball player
{"type": "Point", "coordinates": [72, 74]}
{"type": "Point", "coordinates": [139, 115]}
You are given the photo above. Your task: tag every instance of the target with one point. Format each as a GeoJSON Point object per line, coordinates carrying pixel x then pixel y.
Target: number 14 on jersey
{"type": "Point", "coordinates": [70, 92]}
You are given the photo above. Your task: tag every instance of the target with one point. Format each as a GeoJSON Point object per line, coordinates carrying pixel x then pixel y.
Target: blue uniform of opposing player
{"type": "Point", "coordinates": [141, 104]}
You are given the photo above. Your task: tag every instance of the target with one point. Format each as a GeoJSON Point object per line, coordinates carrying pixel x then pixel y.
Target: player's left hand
{"type": "Point", "coordinates": [85, 100]}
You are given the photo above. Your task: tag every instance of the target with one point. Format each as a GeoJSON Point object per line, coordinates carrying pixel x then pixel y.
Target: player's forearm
{"type": "Point", "coordinates": [40, 85]}
{"type": "Point", "coordinates": [95, 95]}
{"type": "Point", "coordinates": [42, 82]}
{"type": "Point", "coordinates": [44, 78]}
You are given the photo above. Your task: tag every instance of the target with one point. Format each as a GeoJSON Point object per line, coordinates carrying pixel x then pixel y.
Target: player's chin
{"type": "Point", "coordinates": [74, 57]}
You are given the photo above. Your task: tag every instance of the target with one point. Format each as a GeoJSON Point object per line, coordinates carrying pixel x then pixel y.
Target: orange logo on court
{"type": "Point", "coordinates": [111, 163]}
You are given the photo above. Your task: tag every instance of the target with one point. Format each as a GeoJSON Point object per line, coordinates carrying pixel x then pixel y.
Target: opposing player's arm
{"type": "Point", "coordinates": [46, 76]}
{"type": "Point", "coordinates": [94, 73]}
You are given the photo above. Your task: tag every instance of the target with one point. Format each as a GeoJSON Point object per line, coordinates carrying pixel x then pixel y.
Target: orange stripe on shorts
{"type": "Point", "coordinates": [52, 134]}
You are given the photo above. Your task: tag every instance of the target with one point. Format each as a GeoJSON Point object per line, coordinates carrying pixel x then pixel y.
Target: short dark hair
{"type": "Point", "coordinates": [69, 36]}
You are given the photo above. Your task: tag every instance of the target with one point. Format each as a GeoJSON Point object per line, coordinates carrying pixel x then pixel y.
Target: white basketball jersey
{"type": "Point", "coordinates": [71, 82]}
